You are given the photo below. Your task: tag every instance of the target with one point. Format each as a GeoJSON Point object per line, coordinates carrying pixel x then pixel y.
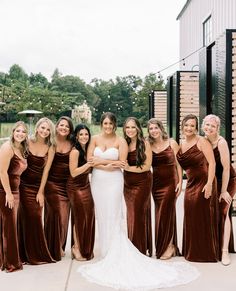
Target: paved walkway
{"type": "Point", "coordinates": [62, 276]}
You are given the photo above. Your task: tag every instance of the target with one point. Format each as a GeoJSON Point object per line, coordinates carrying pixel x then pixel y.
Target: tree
{"type": "Point", "coordinates": [141, 102]}
{"type": "Point", "coordinates": [17, 73]}
{"type": "Point", "coordinates": [38, 80]}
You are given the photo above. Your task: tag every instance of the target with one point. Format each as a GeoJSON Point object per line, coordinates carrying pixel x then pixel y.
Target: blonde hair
{"type": "Point", "coordinates": [160, 125]}
{"type": "Point", "coordinates": [211, 117]}
{"type": "Point", "coordinates": [50, 140]}
{"type": "Point", "coordinates": [24, 143]}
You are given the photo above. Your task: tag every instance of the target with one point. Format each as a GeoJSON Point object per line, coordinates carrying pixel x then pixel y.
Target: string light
{"type": "Point", "coordinates": [181, 60]}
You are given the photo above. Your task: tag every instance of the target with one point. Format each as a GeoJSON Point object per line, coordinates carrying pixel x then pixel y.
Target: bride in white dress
{"type": "Point", "coordinates": [121, 266]}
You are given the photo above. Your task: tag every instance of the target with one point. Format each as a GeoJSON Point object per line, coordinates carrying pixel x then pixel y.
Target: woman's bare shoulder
{"type": "Point", "coordinates": [6, 148]}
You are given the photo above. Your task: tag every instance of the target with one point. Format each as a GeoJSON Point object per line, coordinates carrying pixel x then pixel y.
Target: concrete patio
{"type": "Point", "coordinates": [62, 276]}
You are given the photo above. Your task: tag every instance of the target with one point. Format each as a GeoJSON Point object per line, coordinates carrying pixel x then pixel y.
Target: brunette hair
{"type": "Point", "coordinates": [71, 126]}
{"type": "Point", "coordinates": [111, 117]}
{"type": "Point", "coordinates": [50, 140]}
{"type": "Point", "coordinates": [140, 143]}
{"type": "Point", "coordinates": [160, 125]}
{"type": "Point", "coordinates": [82, 154]}
{"type": "Point", "coordinates": [188, 117]}
{"type": "Point", "coordinates": [24, 143]}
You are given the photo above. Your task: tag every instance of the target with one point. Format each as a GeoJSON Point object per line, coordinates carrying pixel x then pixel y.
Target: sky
{"type": "Point", "coordinates": [90, 38]}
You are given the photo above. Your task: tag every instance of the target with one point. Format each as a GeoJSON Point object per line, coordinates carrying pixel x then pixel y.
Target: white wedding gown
{"type": "Point", "coordinates": [122, 266]}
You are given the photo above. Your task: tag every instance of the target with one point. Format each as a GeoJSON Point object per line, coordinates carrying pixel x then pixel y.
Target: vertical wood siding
{"type": "Point", "coordinates": [160, 106]}
{"type": "Point", "coordinates": [189, 95]}
{"type": "Point", "coordinates": [234, 99]}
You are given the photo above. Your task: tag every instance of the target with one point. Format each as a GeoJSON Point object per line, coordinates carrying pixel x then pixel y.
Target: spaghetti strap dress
{"type": "Point", "coordinates": [82, 213]}
{"type": "Point", "coordinates": [165, 179]}
{"type": "Point", "coordinates": [9, 247]}
{"type": "Point", "coordinates": [32, 241]}
{"type": "Point", "coordinates": [224, 207]}
{"type": "Point", "coordinates": [57, 206]}
{"type": "Point", "coordinates": [200, 230]}
{"type": "Point", "coordinates": [137, 193]}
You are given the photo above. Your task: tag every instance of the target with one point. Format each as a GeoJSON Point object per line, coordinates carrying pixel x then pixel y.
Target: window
{"type": "Point", "coordinates": [207, 31]}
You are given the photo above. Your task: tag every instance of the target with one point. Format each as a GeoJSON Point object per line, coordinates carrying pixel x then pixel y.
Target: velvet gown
{"type": "Point", "coordinates": [200, 230]}
{"type": "Point", "coordinates": [32, 241]}
{"type": "Point", "coordinates": [137, 193]}
{"type": "Point", "coordinates": [223, 205]}
{"type": "Point", "coordinates": [57, 206]}
{"type": "Point", "coordinates": [9, 248]}
{"type": "Point", "coordinates": [165, 179]}
{"type": "Point", "coordinates": [82, 213]}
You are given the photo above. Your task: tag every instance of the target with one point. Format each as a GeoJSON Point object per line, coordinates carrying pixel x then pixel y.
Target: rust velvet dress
{"type": "Point", "coordinates": [82, 210]}
{"type": "Point", "coordinates": [137, 193]}
{"type": "Point", "coordinates": [200, 230]}
{"type": "Point", "coordinates": [9, 249]}
{"type": "Point", "coordinates": [165, 179]}
{"type": "Point", "coordinates": [223, 205]}
{"type": "Point", "coordinates": [57, 206]}
{"type": "Point", "coordinates": [32, 242]}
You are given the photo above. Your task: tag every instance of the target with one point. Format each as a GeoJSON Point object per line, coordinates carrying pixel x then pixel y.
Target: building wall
{"type": "Point", "coordinates": [160, 105]}
{"type": "Point", "coordinates": [191, 28]}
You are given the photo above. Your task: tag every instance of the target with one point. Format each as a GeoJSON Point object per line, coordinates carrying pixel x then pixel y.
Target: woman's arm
{"type": "Point", "coordinates": [175, 148]}
{"type": "Point", "coordinates": [147, 163]}
{"type": "Point", "coordinates": [6, 154]}
{"type": "Point", "coordinates": [40, 194]}
{"type": "Point", "coordinates": [207, 150]}
{"type": "Point", "coordinates": [73, 164]}
{"type": "Point", "coordinates": [225, 161]}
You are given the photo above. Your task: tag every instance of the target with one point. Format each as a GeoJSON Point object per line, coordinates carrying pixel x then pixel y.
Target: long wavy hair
{"type": "Point", "coordinates": [50, 140]}
{"type": "Point", "coordinates": [160, 125]}
{"type": "Point", "coordinates": [82, 154]}
{"type": "Point", "coordinates": [24, 143]}
{"type": "Point", "coordinates": [71, 126]}
{"type": "Point", "coordinates": [140, 142]}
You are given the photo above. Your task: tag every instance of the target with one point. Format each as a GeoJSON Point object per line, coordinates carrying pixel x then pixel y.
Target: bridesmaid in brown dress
{"type": "Point", "coordinates": [57, 206]}
{"type": "Point", "coordinates": [226, 184]}
{"type": "Point", "coordinates": [137, 186]}
{"type": "Point", "coordinates": [32, 242]}
{"type": "Point", "coordinates": [200, 231]}
{"type": "Point", "coordinates": [12, 163]}
{"type": "Point", "coordinates": [167, 185]}
{"type": "Point", "coordinates": [79, 193]}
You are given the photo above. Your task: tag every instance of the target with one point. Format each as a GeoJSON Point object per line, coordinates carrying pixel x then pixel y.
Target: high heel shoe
{"type": "Point", "coordinates": [170, 252]}
{"type": "Point", "coordinates": [75, 254]}
{"type": "Point", "coordinates": [225, 258]}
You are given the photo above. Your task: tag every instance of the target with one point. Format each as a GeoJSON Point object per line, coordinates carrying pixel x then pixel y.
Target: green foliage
{"type": "Point", "coordinates": [124, 96]}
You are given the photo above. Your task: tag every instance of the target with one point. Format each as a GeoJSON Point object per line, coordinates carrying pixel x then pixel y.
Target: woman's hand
{"type": "Point", "coordinates": [9, 201]}
{"type": "Point", "coordinates": [178, 189]}
{"type": "Point", "coordinates": [119, 164]}
{"type": "Point", "coordinates": [109, 167]}
{"type": "Point", "coordinates": [95, 161]}
{"type": "Point", "coordinates": [40, 199]}
{"type": "Point", "coordinates": [207, 189]}
{"type": "Point", "coordinates": [226, 197]}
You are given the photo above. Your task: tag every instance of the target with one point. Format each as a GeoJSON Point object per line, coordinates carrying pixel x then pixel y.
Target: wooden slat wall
{"type": "Point", "coordinates": [160, 106]}
{"type": "Point", "coordinates": [189, 95]}
{"type": "Point", "coordinates": [234, 99]}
